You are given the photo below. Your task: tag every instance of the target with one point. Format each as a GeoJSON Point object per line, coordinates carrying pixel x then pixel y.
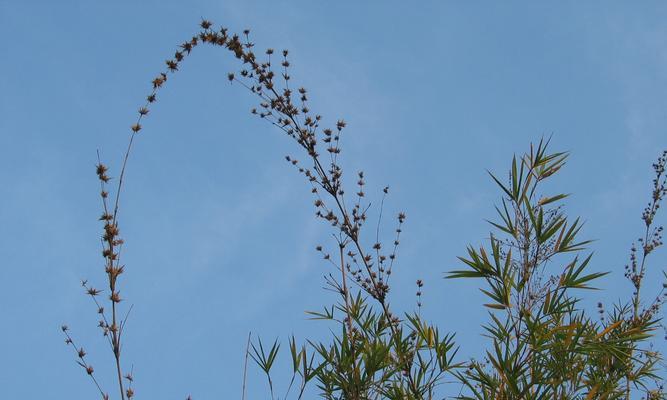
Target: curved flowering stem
{"type": "Point", "coordinates": [288, 111]}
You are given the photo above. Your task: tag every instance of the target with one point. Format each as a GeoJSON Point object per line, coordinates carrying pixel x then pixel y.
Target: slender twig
{"type": "Point", "coordinates": [245, 365]}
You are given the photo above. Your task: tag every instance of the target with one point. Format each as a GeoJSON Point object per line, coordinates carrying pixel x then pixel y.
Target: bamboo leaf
{"type": "Point", "coordinates": [509, 194]}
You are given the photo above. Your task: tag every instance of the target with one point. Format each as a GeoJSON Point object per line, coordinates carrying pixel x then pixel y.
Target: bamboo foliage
{"type": "Point", "coordinates": [542, 343]}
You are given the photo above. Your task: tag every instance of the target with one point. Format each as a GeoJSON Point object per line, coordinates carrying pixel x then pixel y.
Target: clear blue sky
{"type": "Point", "coordinates": [220, 230]}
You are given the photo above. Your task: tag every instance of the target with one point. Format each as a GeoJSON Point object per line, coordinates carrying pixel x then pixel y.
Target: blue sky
{"type": "Point", "coordinates": [220, 230]}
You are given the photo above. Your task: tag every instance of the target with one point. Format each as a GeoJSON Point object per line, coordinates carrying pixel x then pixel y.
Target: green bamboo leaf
{"type": "Point", "coordinates": [551, 229]}
{"type": "Point", "coordinates": [547, 200]}
{"type": "Point", "coordinates": [515, 179]}
{"type": "Point", "coordinates": [509, 194]}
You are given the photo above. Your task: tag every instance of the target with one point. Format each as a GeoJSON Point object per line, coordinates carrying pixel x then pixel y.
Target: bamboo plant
{"type": "Point", "coordinates": [543, 344]}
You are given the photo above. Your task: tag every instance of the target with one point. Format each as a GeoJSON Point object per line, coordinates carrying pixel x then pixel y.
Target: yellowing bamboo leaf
{"type": "Point", "coordinates": [608, 329]}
